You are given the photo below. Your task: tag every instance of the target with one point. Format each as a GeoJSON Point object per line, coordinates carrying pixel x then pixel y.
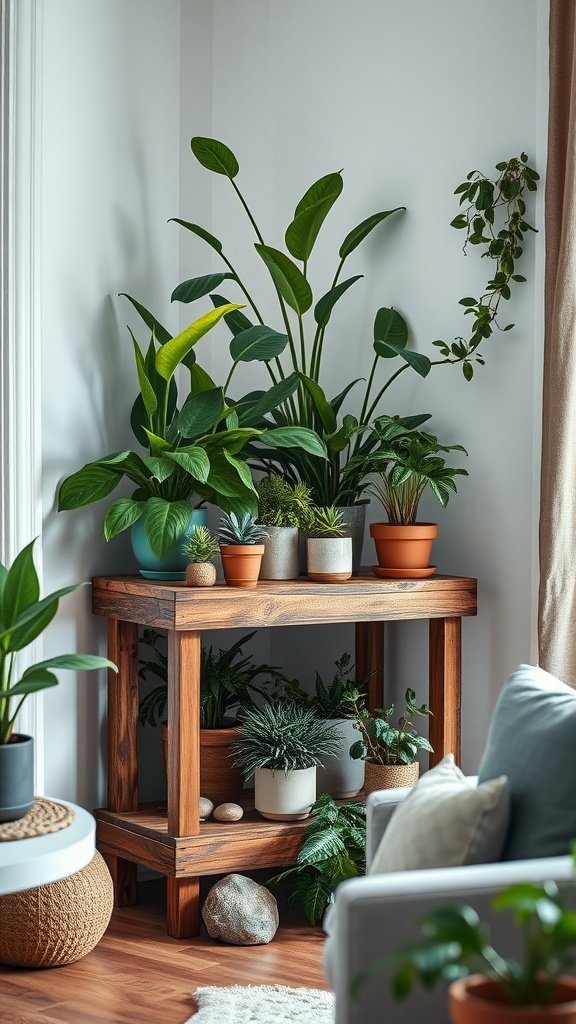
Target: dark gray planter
{"type": "Point", "coordinates": [354, 517]}
{"type": "Point", "coordinates": [16, 777]}
{"type": "Point", "coordinates": [340, 775]}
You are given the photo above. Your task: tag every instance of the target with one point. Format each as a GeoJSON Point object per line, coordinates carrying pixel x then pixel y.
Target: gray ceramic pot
{"type": "Point", "coordinates": [340, 775]}
{"type": "Point", "coordinates": [280, 560]}
{"type": "Point", "coordinates": [355, 517]}
{"type": "Point", "coordinates": [16, 777]}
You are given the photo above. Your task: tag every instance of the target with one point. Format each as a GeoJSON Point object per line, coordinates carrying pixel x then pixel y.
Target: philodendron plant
{"type": "Point", "coordinates": [24, 615]}
{"type": "Point", "coordinates": [190, 451]}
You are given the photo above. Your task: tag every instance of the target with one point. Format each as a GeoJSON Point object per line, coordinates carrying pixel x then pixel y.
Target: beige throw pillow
{"type": "Point", "coordinates": [445, 821]}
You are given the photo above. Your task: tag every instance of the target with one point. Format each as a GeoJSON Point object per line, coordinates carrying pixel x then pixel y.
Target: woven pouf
{"type": "Point", "coordinates": [57, 923]}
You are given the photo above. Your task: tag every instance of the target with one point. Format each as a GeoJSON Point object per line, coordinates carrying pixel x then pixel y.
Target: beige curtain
{"type": "Point", "coordinates": [557, 601]}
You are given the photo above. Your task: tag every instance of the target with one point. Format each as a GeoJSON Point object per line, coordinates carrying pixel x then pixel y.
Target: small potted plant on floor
{"type": "Point", "coordinates": [284, 510]}
{"type": "Point", "coordinates": [23, 617]}
{"type": "Point", "coordinates": [200, 549]}
{"type": "Point", "coordinates": [389, 751]}
{"type": "Point", "coordinates": [403, 463]}
{"type": "Point", "coordinates": [281, 745]}
{"type": "Point", "coordinates": [241, 548]}
{"type": "Point", "coordinates": [329, 552]}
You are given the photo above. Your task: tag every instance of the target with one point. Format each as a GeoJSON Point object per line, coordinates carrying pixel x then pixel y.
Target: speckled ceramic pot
{"type": "Point", "coordinates": [329, 559]}
{"type": "Point", "coordinates": [280, 559]}
{"type": "Point", "coordinates": [339, 774]}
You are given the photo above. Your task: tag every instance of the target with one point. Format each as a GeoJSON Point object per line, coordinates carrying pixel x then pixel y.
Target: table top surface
{"type": "Point", "coordinates": [27, 863]}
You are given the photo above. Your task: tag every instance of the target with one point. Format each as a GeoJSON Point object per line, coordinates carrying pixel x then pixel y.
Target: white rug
{"type": "Point", "coordinates": [262, 1004]}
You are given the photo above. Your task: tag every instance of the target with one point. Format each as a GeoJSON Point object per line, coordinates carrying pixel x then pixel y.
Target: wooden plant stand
{"type": "Point", "coordinates": [171, 840]}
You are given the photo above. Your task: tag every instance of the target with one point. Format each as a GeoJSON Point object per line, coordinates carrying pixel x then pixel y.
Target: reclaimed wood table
{"type": "Point", "coordinates": [171, 839]}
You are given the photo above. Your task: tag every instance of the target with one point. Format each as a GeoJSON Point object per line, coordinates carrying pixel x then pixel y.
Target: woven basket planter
{"type": "Point", "coordinates": [390, 776]}
{"type": "Point", "coordinates": [58, 923]}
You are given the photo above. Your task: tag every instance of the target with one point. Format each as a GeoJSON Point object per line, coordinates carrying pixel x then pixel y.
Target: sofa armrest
{"type": "Point", "coordinates": [380, 807]}
{"type": "Point", "coordinates": [373, 917]}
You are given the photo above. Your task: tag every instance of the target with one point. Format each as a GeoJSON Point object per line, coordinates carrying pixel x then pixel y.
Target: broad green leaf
{"type": "Point", "coordinates": [416, 360]}
{"type": "Point", "coordinates": [360, 232]}
{"type": "Point", "coordinates": [336, 403]}
{"type": "Point", "coordinates": [321, 846]}
{"type": "Point", "coordinates": [338, 441]}
{"type": "Point", "coordinates": [231, 440]}
{"type": "Point", "coordinates": [226, 481]}
{"type": "Point", "coordinates": [294, 437]}
{"type": "Point", "coordinates": [72, 662]}
{"type": "Point", "coordinates": [21, 586]}
{"type": "Point", "coordinates": [159, 468]}
{"type": "Point", "coordinates": [158, 445]}
{"type": "Point", "coordinates": [14, 638]}
{"type": "Point", "coordinates": [236, 321]}
{"type": "Point", "coordinates": [389, 329]}
{"type": "Point", "coordinates": [200, 380]}
{"type": "Point", "coordinates": [34, 680]}
{"type": "Point", "coordinates": [316, 899]}
{"type": "Point", "coordinates": [193, 461]}
{"type": "Point", "coordinates": [288, 278]}
{"type": "Point", "coordinates": [242, 469]}
{"type": "Point", "coordinates": [160, 332]}
{"type": "Point", "coordinates": [325, 305]}
{"type": "Point", "coordinates": [259, 342]}
{"type": "Point", "coordinates": [310, 214]}
{"type": "Point", "coordinates": [214, 156]}
{"type": "Point", "coordinates": [172, 353]}
{"type": "Point", "coordinates": [165, 521]}
{"type": "Point", "coordinates": [269, 400]}
{"type": "Point", "coordinates": [146, 390]}
{"type": "Point", "coordinates": [321, 403]}
{"type": "Point", "coordinates": [201, 232]}
{"type": "Point", "coordinates": [122, 514]}
{"type": "Point", "coordinates": [91, 483]}
{"type": "Point", "coordinates": [196, 287]}
{"type": "Point", "coordinates": [200, 413]}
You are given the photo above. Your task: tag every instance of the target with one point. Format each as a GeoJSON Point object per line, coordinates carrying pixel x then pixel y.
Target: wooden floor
{"type": "Point", "coordinates": [138, 975]}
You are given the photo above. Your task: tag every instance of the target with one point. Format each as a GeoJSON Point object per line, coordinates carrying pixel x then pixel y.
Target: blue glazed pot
{"type": "Point", "coordinates": [173, 566]}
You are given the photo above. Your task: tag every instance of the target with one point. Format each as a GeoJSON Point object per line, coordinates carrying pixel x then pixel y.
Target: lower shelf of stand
{"type": "Point", "coordinates": [142, 836]}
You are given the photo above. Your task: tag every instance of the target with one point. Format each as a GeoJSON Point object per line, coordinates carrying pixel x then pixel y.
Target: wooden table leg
{"type": "Point", "coordinates": [122, 744]}
{"type": "Point", "coordinates": [445, 668]}
{"type": "Point", "coordinates": [370, 660]}
{"type": "Point", "coordinates": [183, 772]}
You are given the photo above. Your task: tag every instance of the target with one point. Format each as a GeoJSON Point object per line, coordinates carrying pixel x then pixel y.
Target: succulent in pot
{"type": "Point", "coordinates": [284, 509]}
{"type": "Point", "coordinates": [241, 548]}
{"type": "Point", "coordinates": [329, 552]}
{"type": "Point", "coordinates": [200, 549]}
{"type": "Point", "coordinates": [389, 751]}
{"type": "Point", "coordinates": [281, 745]}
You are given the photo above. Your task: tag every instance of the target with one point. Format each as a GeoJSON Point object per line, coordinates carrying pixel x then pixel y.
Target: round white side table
{"type": "Point", "coordinates": [28, 863]}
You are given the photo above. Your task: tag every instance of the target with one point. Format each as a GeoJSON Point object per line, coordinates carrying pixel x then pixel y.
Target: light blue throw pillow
{"type": "Point", "coordinates": [532, 740]}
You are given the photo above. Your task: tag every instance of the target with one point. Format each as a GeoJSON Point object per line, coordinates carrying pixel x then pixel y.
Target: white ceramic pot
{"type": "Point", "coordinates": [340, 775]}
{"type": "Point", "coordinates": [329, 559]}
{"type": "Point", "coordinates": [283, 797]}
{"type": "Point", "coordinates": [280, 560]}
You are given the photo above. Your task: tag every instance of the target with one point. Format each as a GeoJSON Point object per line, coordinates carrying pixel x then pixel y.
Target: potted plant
{"type": "Point", "coordinates": [402, 463]}
{"type": "Point", "coordinates": [241, 548]}
{"type": "Point", "coordinates": [389, 751]}
{"type": "Point", "coordinates": [339, 775]}
{"type": "Point", "coordinates": [284, 509]}
{"type": "Point", "coordinates": [227, 689]}
{"type": "Point", "coordinates": [24, 615]}
{"type": "Point", "coordinates": [333, 850]}
{"type": "Point", "coordinates": [281, 744]}
{"type": "Point", "coordinates": [329, 552]}
{"type": "Point", "coordinates": [494, 988]}
{"type": "Point", "coordinates": [200, 549]}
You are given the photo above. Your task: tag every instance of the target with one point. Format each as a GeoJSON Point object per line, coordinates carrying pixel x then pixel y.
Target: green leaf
{"type": "Point", "coordinates": [229, 486]}
{"type": "Point", "coordinates": [160, 332]}
{"type": "Point", "coordinates": [214, 156]}
{"type": "Point", "coordinates": [310, 214]}
{"type": "Point", "coordinates": [122, 514]}
{"type": "Point", "coordinates": [320, 846]}
{"type": "Point", "coordinates": [91, 483]}
{"type": "Point", "coordinates": [26, 627]}
{"type": "Point", "coordinates": [362, 230]}
{"type": "Point", "coordinates": [200, 380]}
{"type": "Point", "coordinates": [321, 403]}
{"type": "Point", "coordinates": [295, 437]}
{"type": "Point", "coordinates": [288, 278]}
{"type": "Point", "coordinates": [270, 400]}
{"type": "Point", "coordinates": [193, 461]}
{"type": "Point", "coordinates": [21, 588]}
{"type": "Point", "coordinates": [390, 329]}
{"type": "Point", "coordinates": [325, 305]}
{"type": "Point", "coordinates": [196, 287]}
{"type": "Point", "coordinates": [236, 321]}
{"type": "Point", "coordinates": [338, 441]}
{"type": "Point", "coordinates": [336, 403]}
{"type": "Point", "coordinates": [34, 680]}
{"type": "Point", "coordinates": [242, 470]}
{"type": "Point", "coordinates": [165, 521]}
{"type": "Point", "coordinates": [159, 468]}
{"type": "Point", "coordinates": [416, 360]}
{"type": "Point", "coordinates": [172, 353]}
{"type": "Point", "coordinates": [146, 390]}
{"type": "Point", "coordinates": [467, 370]}
{"type": "Point", "coordinates": [316, 899]}
{"type": "Point", "coordinates": [468, 301]}
{"type": "Point", "coordinates": [201, 412]}
{"type": "Point", "coordinates": [72, 662]}
{"type": "Point", "coordinates": [214, 242]}
{"type": "Point", "coordinates": [259, 342]}
{"type": "Point", "coordinates": [459, 221]}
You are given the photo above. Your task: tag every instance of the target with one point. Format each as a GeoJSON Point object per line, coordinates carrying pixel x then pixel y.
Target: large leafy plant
{"type": "Point", "coordinates": [494, 219]}
{"type": "Point", "coordinates": [191, 451]}
{"type": "Point", "coordinates": [24, 615]}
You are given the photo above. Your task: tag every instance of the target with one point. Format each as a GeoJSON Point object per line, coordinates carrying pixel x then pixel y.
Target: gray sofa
{"type": "Point", "coordinates": [373, 916]}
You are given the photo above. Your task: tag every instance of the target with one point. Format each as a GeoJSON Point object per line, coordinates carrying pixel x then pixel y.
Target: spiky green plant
{"type": "Point", "coordinates": [333, 850]}
{"type": "Point", "coordinates": [330, 700]}
{"type": "Point", "coordinates": [280, 504]}
{"type": "Point", "coordinates": [201, 546]}
{"type": "Point", "coordinates": [284, 737]}
{"type": "Point", "coordinates": [242, 529]}
{"type": "Point", "coordinates": [326, 523]}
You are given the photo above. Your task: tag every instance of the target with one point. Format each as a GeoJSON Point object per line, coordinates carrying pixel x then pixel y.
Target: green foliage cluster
{"type": "Point", "coordinates": [333, 850]}
{"type": "Point", "coordinates": [326, 523]}
{"type": "Point", "coordinates": [283, 504]}
{"type": "Point", "coordinates": [284, 737]}
{"type": "Point", "coordinates": [201, 546]}
{"type": "Point", "coordinates": [241, 529]}
{"type": "Point", "coordinates": [381, 742]}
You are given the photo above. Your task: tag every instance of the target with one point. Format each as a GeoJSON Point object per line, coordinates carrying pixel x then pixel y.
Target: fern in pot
{"type": "Point", "coordinates": [284, 510]}
{"type": "Point", "coordinates": [329, 552]}
{"type": "Point", "coordinates": [281, 745]}
{"type": "Point", "coordinates": [241, 548]}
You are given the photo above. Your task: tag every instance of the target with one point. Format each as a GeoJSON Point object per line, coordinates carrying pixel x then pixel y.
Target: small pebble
{"type": "Point", "coordinates": [228, 812]}
{"type": "Point", "coordinates": [206, 808]}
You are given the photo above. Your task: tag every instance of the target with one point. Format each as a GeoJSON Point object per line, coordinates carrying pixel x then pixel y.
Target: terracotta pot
{"type": "Point", "coordinates": [390, 776]}
{"type": "Point", "coordinates": [200, 574]}
{"type": "Point", "coordinates": [220, 779]}
{"type": "Point", "coordinates": [403, 547]}
{"type": "Point", "coordinates": [241, 564]}
{"type": "Point", "coordinates": [478, 1000]}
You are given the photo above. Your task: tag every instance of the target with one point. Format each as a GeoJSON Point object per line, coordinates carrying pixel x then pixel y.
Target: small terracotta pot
{"type": "Point", "coordinates": [403, 547]}
{"type": "Point", "coordinates": [220, 779]}
{"type": "Point", "coordinates": [241, 564]}
{"type": "Point", "coordinates": [200, 574]}
{"type": "Point", "coordinates": [390, 776]}
{"type": "Point", "coordinates": [479, 1000]}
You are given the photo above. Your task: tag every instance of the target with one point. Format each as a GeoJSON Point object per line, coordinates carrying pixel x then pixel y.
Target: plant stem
{"type": "Point", "coordinates": [245, 205]}
{"type": "Point", "coordinates": [383, 389]}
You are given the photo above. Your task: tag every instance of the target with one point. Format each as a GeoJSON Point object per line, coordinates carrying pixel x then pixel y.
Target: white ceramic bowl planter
{"type": "Point", "coordinates": [329, 559]}
{"type": "Point", "coordinates": [283, 797]}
